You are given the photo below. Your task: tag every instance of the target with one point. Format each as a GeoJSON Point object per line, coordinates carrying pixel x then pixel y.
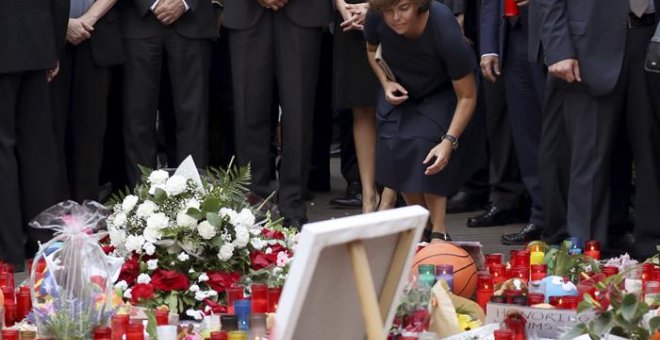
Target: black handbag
{"type": "Point", "coordinates": [652, 62]}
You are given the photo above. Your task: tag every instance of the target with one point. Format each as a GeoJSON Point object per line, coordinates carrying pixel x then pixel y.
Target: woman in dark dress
{"type": "Point", "coordinates": [423, 112]}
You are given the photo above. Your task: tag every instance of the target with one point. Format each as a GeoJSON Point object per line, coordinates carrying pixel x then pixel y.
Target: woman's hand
{"type": "Point", "coordinates": [395, 94]}
{"type": "Point", "coordinates": [441, 153]}
{"type": "Point", "coordinates": [357, 14]}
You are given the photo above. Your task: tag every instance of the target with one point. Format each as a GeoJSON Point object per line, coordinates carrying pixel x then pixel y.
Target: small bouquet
{"type": "Point", "coordinates": [71, 279]}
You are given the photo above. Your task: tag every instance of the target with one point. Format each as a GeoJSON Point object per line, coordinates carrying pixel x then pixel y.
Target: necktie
{"type": "Point", "coordinates": [638, 7]}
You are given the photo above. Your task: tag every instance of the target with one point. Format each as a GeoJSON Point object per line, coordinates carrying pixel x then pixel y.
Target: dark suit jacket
{"type": "Point", "coordinates": [535, 47]}
{"type": "Point", "coordinates": [139, 22]}
{"type": "Point", "coordinates": [106, 45]}
{"type": "Point", "coordinates": [456, 6]}
{"type": "Point", "coordinates": [492, 29]}
{"type": "Point", "coordinates": [242, 14]}
{"type": "Point", "coordinates": [593, 31]}
{"type": "Point", "coordinates": [33, 34]}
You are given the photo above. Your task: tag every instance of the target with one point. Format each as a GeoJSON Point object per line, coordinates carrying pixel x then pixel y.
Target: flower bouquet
{"type": "Point", "coordinates": [186, 239]}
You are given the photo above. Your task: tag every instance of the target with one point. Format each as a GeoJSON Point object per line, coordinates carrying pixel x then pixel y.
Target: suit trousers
{"type": "Point", "coordinates": [276, 48]}
{"type": "Point", "coordinates": [79, 100]}
{"type": "Point", "coordinates": [592, 124]}
{"type": "Point", "coordinates": [525, 88]}
{"type": "Point", "coordinates": [27, 161]}
{"type": "Point", "coordinates": [189, 63]}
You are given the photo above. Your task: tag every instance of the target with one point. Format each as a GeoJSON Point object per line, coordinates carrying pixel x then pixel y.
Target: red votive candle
{"type": "Point", "coordinates": [498, 299]}
{"type": "Point", "coordinates": [5, 280]}
{"type": "Point", "coordinates": [609, 270]}
{"type": "Point", "coordinates": [535, 298]}
{"type": "Point", "coordinates": [162, 317]}
{"type": "Point", "coordinates": [8, 293]}
{"type": "Point", "coordinates": [222, 335]}
{"type": "Point", "coordinates": [233, 293]}
{"type": "Point", "coordinates": [9, 334]}
{"type": "Point", "coordinates": [521, 272]}
{"type": "Point", "coordinates": [498, 271]}
{"type": "Point", "coordinates": [510, 293]}
{"type": "Point", "coordinates": [102, 333]}
{"type": "Point", "coordinates": [484, 289]}
{"type": "Point", "coordinates": [495, 258]}
{"type": "Point", "coordinates": [119, 326]}
{"type": "Point", "coordinates": [517, 326]}
{"type": "Point", "coordinates": [522, 258]}
{"type": "Point", "coordinates": [647, 271]}
{"type": "Point", "coordinates": [513, 257]}
{"type": "Point", "coordinates": [135, 331]}
{"type": "Point", "coordinates": [592, 249]}
{"type": "Point", "coordinates": [23, 303]}
{"type": "Point", "coordinates": [556, 301]}
{"type": "Point", "coordinates": [503, 334]}
{"type": "Point", "coordinates": [273, 298]}
{"type": "Point", "coordinates": [259, 298]}
{"type": "Point", "coordinates": [570, 302]}
{"type": "Point", "coordinates": [11, 314]}
{"type": "Point", "coordinates": [539, 271]}
{"type": "Point", "coordinates": [585, 287]}
{"type": "Point", "coordinates": [511, 8]}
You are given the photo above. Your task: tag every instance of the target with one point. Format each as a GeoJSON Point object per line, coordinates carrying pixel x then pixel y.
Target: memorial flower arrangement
{"type": "Point", "coordinates": [185, 239]}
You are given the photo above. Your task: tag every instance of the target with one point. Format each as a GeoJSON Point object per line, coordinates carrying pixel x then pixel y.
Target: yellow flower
{"type": "Point", "coordinates": [466, 323]}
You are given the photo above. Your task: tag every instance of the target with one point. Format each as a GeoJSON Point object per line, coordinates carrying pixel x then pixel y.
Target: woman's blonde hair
{"type": "Point", "coordinates": [382, 5]}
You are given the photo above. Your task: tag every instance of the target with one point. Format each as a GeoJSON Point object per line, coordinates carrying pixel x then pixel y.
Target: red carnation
{"type": "Point", "coordinates": [108, 249]}
{"type": "Point", "coordinates": [216, 308]}
{"type": "Point", "coordinates": [169, 280]}
{"type": "Point", "coordinates": [261, 260]}
{"type": "Point", "coordinates": [130, 270]}
{"type": "Point", "coordinates": [141, 291]}
{"type": "Point", "coordinates": [219, 281]}
{"type": "Point", "coordinates": [272, 234]}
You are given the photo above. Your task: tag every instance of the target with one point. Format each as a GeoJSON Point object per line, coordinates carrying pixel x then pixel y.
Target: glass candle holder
{"type": "Point", "coordinates": [237, 335]}
{"type": "Point", "coordinates": [102, 333]}
{"type": "Point", "coordinates": [162, 317]}
{"type": "Point", "coordinates": [556, 301]}
{"type": "Point", "coordinates": [259, 298]}
{"type": "Point", "coordinates": [258, 326]}
{"type": "Point", "coordinates": [445, 272]}
{"type": "Point", "coordinates": [512, 257]}
{"type": "Point", "coordinates": [484, 289]}
{"type": "Point", "coordinates": [23, 303]}
{"type": "Point", "coordinates": [273, 298]}
{"type": "Point", "coordinates": [521, 273]}
{"type": "Point", "coordinates": [503, 334]}
{"type": "Point", "coordinates": [520, 300]}
{"type": "Point", "coordinates": [495, 258]}
{"type": "Point", "coordinates": [510, 293]}
{"type": "Point", "coordinates": [570, 302]}
{"type": "Point", "coordinates": [11, 314]}
{"type": "Point", "coordinates": [592, 249]}
{"type": "Point", "coordinates": [647, 271]}
{"type": "Point", "coordinates": [575, 245]}
{"type": "Point", "coordinates": [651, 292]}
{"type": "Point", "coordinates": [229, 323]}
{"type": "Point", "coordinates": [498, 271]}
{"type": "Point", "coordinates": [426, 275]}
{"type": "Point", "coordinates": [135, 331]}
{"type": "Point", "coordinates": [222, 335]}
{"type": "Point", "coordinates": [233, 293]}
{"type": "Point", "coordinates": [9, 334]}
{"type": "Point", "coordinates": [539, 272]}
{"type": "Point", "coordinates": [523, 258]}
{"type": "Point", "coordinates": [498, 299]}
{"type": "Point", "coordinates": [243, 310]}
{"type": "Point", "coordinates": [8, 293]}
{"type": "Point", "coordinates": [535, 298]}
{"type": "Point", "coordinates": [119, 325]}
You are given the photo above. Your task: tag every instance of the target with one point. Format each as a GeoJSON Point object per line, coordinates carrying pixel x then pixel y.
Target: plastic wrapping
{"type": "Point", "coordinates": [71, 277]}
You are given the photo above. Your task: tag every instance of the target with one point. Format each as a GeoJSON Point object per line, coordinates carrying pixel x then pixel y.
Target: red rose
{"type": "Point", "coordinates": [219, 281]}
{"type": "Point", "coordinates": [169, 280]}
{"type": "Point", "coordinates": [272, 234]}
{"type": "Point", "coordinates": [261, 260]}
{"type": "Point", "coordinates": [108, 249]}
{"type": "Point", "coordinates": [141, 291]}
{"type": "Point", "coordinates": [130, 270]}
{"type": "Point", "coordinates": [216, 308]}
{"type": "Point", "coordinates": [105, 239]}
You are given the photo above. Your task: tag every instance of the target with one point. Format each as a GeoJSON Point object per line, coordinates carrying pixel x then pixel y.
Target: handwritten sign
{"type": "Point", "coordinates": [546, 323]}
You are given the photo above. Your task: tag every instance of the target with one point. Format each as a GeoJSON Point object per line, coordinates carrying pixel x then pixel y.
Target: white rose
{"type": "Point", "coordinates": [146, 209]}
{"type": "Point", "coordinates": [152, 264]}
{"type": "Point", "coordinates": [121, 285]}
{"type": "Point", "coordinates": [242, 237]}
{"type": "Point", "coordinates": [152, 235]}
{"type": "Point", "coordinates": [192, 203]}
{"type": "Point", "coordinates": [119, 220]}
{"type": "Point", "coordinates": [158, 177]}
{"type": "Point", "coordinates": [183, 257]}
{"type": "Point", "coordinates": [194, 288]}
{"type": "Point", "coordinates": [134, 243]}
{"type": "Point", "coordinates": [175, 185]}
{"type": "Point", "coordinates": [258, 244]}
{"type": "Point", "coordinates": [203, 277]}
{"type": "Point", "coordinates": [226, 252]}
{"type": "Point", "coordinates": [127, 293]}
{"type": "Point", "coordinates": [158, 221]}
{"type": "Point", "coordinates": [185, 220]}
{"type": "Point", "coordinates": [143, 278]}
{"type": "Point", "coordinates": [129, 203]}
{"type": "Point", "coordinates": [195, 314]}
{"type": "Point", "coordinates": [200, 296]}
{"type": "Point", "coordinates": [149, 248]}
{"type": "Point", "coordinates": [245, 218]}
{"type": "Point", "coordinates": [206, 230]}
{"type": "Point", "coordinates": [117, 237]}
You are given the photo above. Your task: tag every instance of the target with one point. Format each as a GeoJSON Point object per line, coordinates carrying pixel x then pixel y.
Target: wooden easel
{"type": "Point", "coordinates": [374, 311]}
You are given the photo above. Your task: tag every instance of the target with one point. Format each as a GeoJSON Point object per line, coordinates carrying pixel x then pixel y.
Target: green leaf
{"type": "Point", "coordinates": [629, 307]}
{"type": "Point", "coordinates": [172, 302]}
{"type": "Point", "coordinates": [214, 219]}
{"type": "Point", "coordinates": [575, 332]}
{"type": "Point", "coordinates": [160, 196]}
{"type": "Point", "coordinates": [603, 323]}
{"type": "Point", "coordinates": [584, 305]}
{"type": "Point", "coordinates": [654, 323]}
{"type": "Point", "coordinates": [151, 325]}
{"type": "Point", "coordinates": [211, 204]}
{"type": "Point", "coordinates": [195, 213]}
{"type": "Point", "coordinates": [588, 298]}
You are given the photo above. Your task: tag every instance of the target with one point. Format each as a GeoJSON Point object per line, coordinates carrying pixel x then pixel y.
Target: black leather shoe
{"type": "Point", "coordinates": [352, 198]}
{"type": "Point", "coordinates": [463, 202]}
{"type": "Point", "coordinates": [496, 216]}
{"type": "Point", "coordinates": [530, 232]}
{"type": "Point", "coordinates": [294, 222]}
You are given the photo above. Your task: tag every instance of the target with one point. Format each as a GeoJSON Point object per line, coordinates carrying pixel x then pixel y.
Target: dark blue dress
{"type": "Point", "coordinates": [425, 67]}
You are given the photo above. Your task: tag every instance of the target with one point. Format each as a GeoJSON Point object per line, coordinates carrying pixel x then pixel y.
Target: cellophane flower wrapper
{"type": "Point", "coordinates": [71, 278]}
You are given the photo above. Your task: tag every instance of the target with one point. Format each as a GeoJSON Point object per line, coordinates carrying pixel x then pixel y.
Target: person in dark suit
{"type": "Point", "coordinates": [507, 40]}
{"type": "Point", "coordinates": [181, 31]}
{"type": "Point", "coordinates": [596, 50]}
{"type": "Point", "coordinates": [281, 40]}
{"type": "Point", "coordinates": [32, 40]}
{"type": "Point", "coordinates": [79, 95]}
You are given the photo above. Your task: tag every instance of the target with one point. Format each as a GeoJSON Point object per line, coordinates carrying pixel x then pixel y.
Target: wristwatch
{"type": "Point", "coordinates": [453, 140]}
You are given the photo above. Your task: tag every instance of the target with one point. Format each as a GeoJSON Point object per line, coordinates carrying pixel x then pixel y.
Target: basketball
{"type": "Point", "coordinates": [465, 271]}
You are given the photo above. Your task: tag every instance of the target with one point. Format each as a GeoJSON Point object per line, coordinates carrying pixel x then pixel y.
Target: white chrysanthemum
{"type": "Point", "coordinates": [206, 230]}
{"type": "Point", "coordinates": [192, 203]}
{"type": "Point", "coordinates": [226, 236]}
{"type": "Point", "coordinates": [146, 209]}
{"type": "Point", "coordinates": [152, 264]}
{"type": "Point", "coordinates": [158, 177]}
{"type": "Point", "coordinates": [245, 218]}
{"type": "Point", "coordinates": [242, 237]}
{"type": "Point", "coordinates": [282, 259]}
{"type": "Point", "coordinates": [195, 314]}
{"type": "Point", "coordinates": [183, 257]}
{"type": "Point", "coordinates": [258, 244]}
{"type": "Point", "coordinates": [119, 220]}
{"type": "Point", "coordinates": [152, 234]}
{"type": "Point", "coordinates": [134, 243]}
{"type": "Point", "coordinates": [194, 288]}
{"type": "Point", "coordinates": [123, 285]}
{"type": "Point", "coordinates": [149, 248]}
{"type": "Point", "coordinates": [226, 252]}
{"type": "Point", "coordinates": [158, 221]}
{"type": "Point", "coordinates": [127, 293]}
{"type": "Point", "coordinates": [203, 277]}
{"type": "Point", "coordinates": [203, 295]}
{"type": "Point", "coordinates": [175, 185]}
{"type": "Point", "coordinates": [185, 220]}
{"type": "Point", "coordinates": [230, 213]}
{"type": "Point", "coordinates": [129, 203]}
{"type": "Point", "coordinates": [144, 278]}
{"type": "Point", "coordinates": [117, 237]}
